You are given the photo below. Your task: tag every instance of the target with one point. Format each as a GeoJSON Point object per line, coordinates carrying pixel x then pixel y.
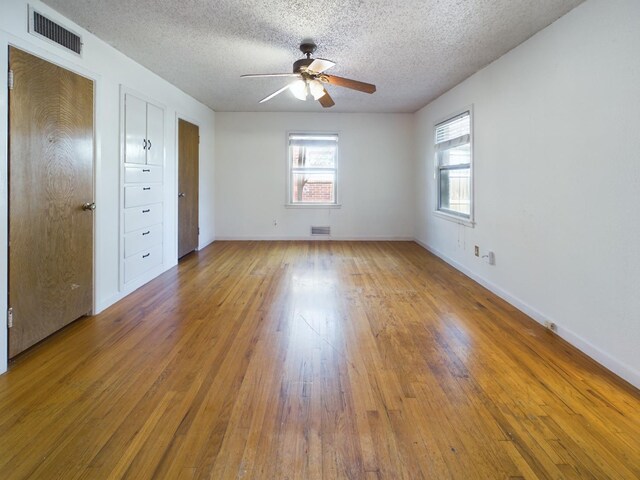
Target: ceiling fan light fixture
{"type": "Point", "coordinates": [311, 79]}
{"type": "Point", "coordinates": [316, 89]}
{"type": "Point", "coordinates": [299, 89]}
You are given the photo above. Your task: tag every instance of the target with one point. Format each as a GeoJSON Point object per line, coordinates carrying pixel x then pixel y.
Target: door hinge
{"type": "Point", "coordinates": [10, 79]}
{"type": "Point", "coordinates": [10, 318]}
{"type": "Point", "coordinates": [198, 230]}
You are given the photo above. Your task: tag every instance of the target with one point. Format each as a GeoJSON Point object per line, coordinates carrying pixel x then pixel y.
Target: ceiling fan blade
{"type": "Point", "coordinates": [348, 83]}
{"type": "Point", "coordinates": [319, 65]}
{"type": "Point", "coordinates": [326, 101]}
{"type": "Point", "coordinates": [261, 75]}
{"type": "Point", "coordinates": [274, 94]}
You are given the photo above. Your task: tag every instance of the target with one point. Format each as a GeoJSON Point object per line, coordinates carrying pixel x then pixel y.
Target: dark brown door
{"type": "Point", "coordinates": [188, 146]}
{"type": "Point", "coordinates": [50, 178]}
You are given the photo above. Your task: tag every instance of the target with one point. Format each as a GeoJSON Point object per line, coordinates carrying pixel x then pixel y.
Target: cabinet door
{"type": "Point", "coordinates": [135, 129]}
{"type": "Point", "coordinates": [155, 135]}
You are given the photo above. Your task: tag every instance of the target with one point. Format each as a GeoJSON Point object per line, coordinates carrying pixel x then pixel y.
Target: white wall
{"type": "Point", "coordinates": [375, 177]}
{"type": "Point", "coordinates": [109, 69]}
{"type": "Point", "coordinates": [557, 179]}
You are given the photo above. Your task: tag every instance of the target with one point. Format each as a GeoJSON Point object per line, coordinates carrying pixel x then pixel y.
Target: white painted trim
{"type": "Point", "coordinates": [131, 287]}
{"type": "Point", "coordinates": [4, 202]}
{"type": "Point", "coordinates": [623, 370]}
{"type": "Point", "coordinates": [206, 244]}
{"type": "Point", "coordinates": [313, 205]}
{"type": "Point", "coordinates": [454, 218]}
{"type": "Point", "coordinates": [259, 238]}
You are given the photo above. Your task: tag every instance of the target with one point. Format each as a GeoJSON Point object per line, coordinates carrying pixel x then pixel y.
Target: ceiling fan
{"type": "Point", "coordinates": [311, 79]}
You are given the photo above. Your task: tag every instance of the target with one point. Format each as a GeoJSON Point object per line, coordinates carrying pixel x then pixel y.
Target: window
{"type": "Point", "coordinates": [313, 168]}
{"type": "Point", "coordinates": [453, 166]}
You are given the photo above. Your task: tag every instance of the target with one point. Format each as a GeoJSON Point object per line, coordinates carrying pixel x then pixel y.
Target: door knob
{"type": "Point", "coordinates": [89, 206]}
{"type": "Point", "coordinates": [182, 194]}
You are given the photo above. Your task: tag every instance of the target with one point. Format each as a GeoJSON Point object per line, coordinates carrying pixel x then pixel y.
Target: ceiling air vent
{"type": "Point", "coordinates": [320, 230]}
{"type": "Point", "coordinates": [43, 27]}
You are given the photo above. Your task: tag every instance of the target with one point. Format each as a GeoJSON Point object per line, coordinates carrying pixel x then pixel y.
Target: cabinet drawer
{"type": "Point", "coordinates": [137, 264]}
{"type": "Point", "coordinates": [145, 194]}
{"type": "Point", "coordinates": [147, 174]}
{"type": "Point", "coordinates": [139, 217]}
{"type": "Point", "coordinates": [139, 240]}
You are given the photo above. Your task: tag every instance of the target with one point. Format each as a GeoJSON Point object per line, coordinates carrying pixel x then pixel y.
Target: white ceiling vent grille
{"type": "Point", "coordinates": [47, 29]}
{"type": "Point", "coordinates": [320, 230]}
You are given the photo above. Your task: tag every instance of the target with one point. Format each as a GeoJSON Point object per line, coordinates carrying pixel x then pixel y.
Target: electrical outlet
{"type": "Point", "coordinates": [476, 250]}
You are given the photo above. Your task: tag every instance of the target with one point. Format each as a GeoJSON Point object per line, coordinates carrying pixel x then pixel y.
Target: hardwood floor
{"type": "Point", "coordinates": [307, 360]}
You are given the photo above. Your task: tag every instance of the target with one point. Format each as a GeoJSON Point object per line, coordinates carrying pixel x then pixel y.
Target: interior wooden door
{"type": "Point", "coordinates": [188, 158]}
{"type": "Point", "coordinates": [50, 180]}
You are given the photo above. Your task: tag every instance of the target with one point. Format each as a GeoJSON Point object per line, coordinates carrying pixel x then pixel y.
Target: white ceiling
{"type": "Point", "coordinates": [413, 50]}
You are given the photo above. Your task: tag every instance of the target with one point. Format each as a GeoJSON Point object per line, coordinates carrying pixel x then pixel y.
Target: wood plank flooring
{"type": "Point", "coordinates": [309, 360]}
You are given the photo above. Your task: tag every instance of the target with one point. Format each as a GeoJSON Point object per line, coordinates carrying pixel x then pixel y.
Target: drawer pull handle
{"type": "Point", "coordinates": [144, 144]}
{"type": "Point", "coordinates": [146, 169]}
{"type": "Point", "coordinates": [146, 188]}
{"type": "Point", "coordinates": [147, 232]}
{"type": "Point", "coordinates": [146, 211]}
{"type": "Point", "coordinates": [149, 147]}
{"type": "Point", "coordinates": [145, 256]}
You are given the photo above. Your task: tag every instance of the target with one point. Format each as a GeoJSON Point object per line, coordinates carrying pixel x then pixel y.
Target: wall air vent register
{"type": "Point", "coordinates": [45, 28]}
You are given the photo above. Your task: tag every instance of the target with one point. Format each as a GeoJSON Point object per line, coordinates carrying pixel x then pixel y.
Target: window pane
{"type": "Point", "coordinates": [455, 190]}
{"type": "Point", "coordinates": [313, 188]}
{"type": "Point", "coordinates": [320, 156]}
{"type": "Point", "coordinates": [456, 156]}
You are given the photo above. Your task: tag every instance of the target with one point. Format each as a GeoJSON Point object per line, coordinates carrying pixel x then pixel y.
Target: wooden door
{"type": "Point", "coordinates": [188, 158]}
{"type": "Point", "coordinates": [135, 127]}
{"type": "Point", "coordinates": [155, 135]}
{"type": "Point", "coordinates": [50, 178]}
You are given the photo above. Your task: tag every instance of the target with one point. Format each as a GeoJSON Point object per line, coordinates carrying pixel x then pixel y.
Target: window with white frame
{"type": "Point", "coordinates": [453, 166]}
{"type": "Point", "coordinates": [313, 168]}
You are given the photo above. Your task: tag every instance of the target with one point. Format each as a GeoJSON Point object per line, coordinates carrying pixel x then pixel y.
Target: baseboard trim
{"type": "Point", "coordinates": [258, 238]}
{"type": "Point", "coordinates": [622, 370]}
{"type": "Point", "coordinates": [129, 289]}
{"type": "Point", "coordinates": [206, 243]}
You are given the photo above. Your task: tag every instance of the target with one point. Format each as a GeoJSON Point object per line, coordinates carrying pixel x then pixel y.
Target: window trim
{"type": "Point", "coordinates": [448, 214]}
{"type": "Point", "coordinates": [288, 187]}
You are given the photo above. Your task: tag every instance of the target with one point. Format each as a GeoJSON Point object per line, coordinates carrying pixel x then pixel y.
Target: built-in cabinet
{"type": "Point", "coordinates": [142, 188]}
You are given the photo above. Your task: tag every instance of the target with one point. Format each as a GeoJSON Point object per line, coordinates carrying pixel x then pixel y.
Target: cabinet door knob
{"type": "Point", "coordinates": [89, 206]}
{"type": "Point", "coordinates": [182, 194]}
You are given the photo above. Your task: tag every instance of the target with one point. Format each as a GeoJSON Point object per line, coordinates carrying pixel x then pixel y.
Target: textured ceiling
{"type": "Point", "coordinates": [413, 50]}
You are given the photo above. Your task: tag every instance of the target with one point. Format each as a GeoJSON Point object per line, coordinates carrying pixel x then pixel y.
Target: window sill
{"type": "Point", "coordinates": [313, 205]}
{"type": "Point", "coordinates": [455, 219]}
